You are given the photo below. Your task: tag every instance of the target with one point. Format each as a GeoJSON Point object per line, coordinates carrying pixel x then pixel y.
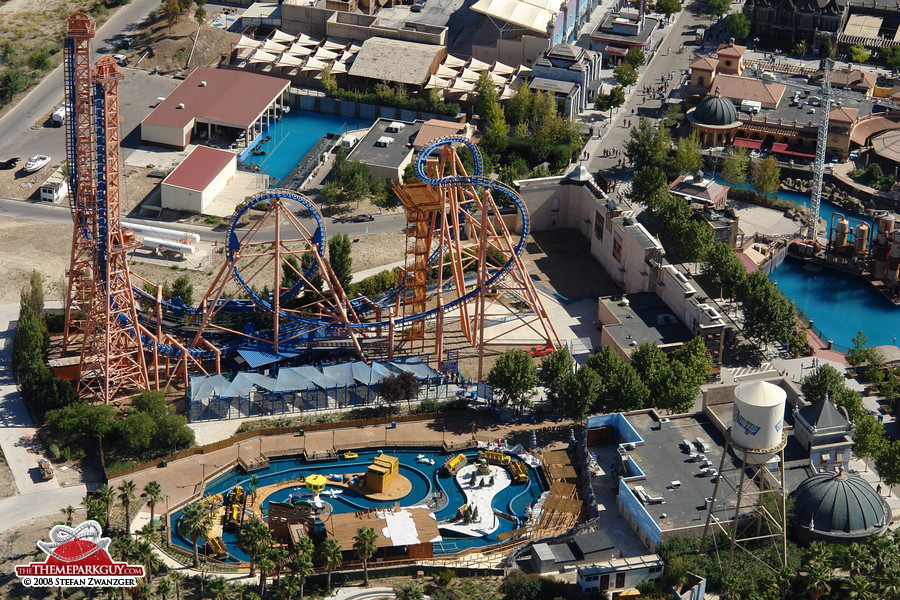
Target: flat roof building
{"type": "Point", "coordinates": [198, 179]}
{"type": "Point", "coordinates": [211, 101]}
{"type": "Point", "coordinates": [387, 148]}
{"type": "Point", "coordinates": [395, 61]}
{"type": "Point", "coordinates": [634, 319]}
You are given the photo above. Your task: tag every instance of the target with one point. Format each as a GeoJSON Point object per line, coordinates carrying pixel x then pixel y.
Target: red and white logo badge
{"type": "Point", "coordinates": [78, 557]}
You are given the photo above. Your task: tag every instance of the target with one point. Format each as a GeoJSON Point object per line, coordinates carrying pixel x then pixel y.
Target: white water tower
{"type": "Point", "coordinates": [757, 421]}
{"type": "Point", "coordinates": [754, 439]}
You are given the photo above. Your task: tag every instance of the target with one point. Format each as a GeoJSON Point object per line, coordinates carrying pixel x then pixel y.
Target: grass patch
{"type": "Point", "coordinates": [212, 220]}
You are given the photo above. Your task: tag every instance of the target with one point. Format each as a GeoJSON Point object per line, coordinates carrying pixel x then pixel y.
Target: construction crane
{"type": "Point", "coordinates": [815, 200]}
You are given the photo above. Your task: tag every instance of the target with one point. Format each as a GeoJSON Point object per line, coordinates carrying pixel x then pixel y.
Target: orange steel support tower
{"type": "Point", "coordinates": [100, 309]}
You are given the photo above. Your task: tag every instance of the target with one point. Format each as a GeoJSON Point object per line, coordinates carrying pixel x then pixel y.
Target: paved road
{"type": "Point", "coordinates": [16, 124]}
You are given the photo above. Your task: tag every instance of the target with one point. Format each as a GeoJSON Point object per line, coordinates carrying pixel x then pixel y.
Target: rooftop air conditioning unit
{"type": "Point", "coordinates": [395, 127]}
{"type": "Point", "coordinates": [181, 105]}
{"type": "Point", "coordinates": [202, 84]}
{"type": "Point", "coordinates": [384, 141]}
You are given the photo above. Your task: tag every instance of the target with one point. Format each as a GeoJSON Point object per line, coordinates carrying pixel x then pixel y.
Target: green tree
{"type": "Point", "coordinates": [146, 554]}
{"type": "Point", "coordinates": [513, 379]}
{"type": "Point", "coordinates": [824, 381]}
{"type": "Point", "coordinates": [765, 176]}
{"type": "Point", "coordinates": [718, 8]}
{"type": "Point", "coordinates": [695, 239]}
{"type": "Point", "coordinates": [519, 106]}
{"type": "Point", "coordinates": [69, 511]}
{"type": "Point", "coordinates": [486, 98]}
{"type": "Point", "coordinates": [555, 365]}
{"type": "Point", "coordinates": [738, 26]}
{"type": "Point", "coordinates": [195, 524]}
{"type": "Point", "coordinates": [330, 193]}
{"type": "Point", "coordinates": [635, 57]}
{"type": "Point", "coordinates": [340, 259]}
{"type": "Point", "coordinates": [254, 537]}
{"type": "Point", "coordinates": [724, 268]}
{"type": "Point", "coordinates": [107, 495]}
{"type": "Point", "coordinates": [891, 57]}
{"type": "Point", "coordinates": [163, 588]}
{"type": "Point", "coordinates": [330, 552]}
{"type": "Point", "coordinates": [735, 166]}
{"type": "Point", "coordinates": [364, 547]}
{"type": "Point", "coordinates": [200, 13]}
{"type": "Point", "coordinates": [668, 7]}
{"type": "Point", "coordinates": [695, 357]}
{"type": "Point", "coordinates": [625, 75]}
{"type": "Point", "coordinates": [688, 157]}
{"type": "Point", "coordinates": [137, 431]}
{"type": "Point", "coordinates": [650, 188]}
{"type": "Point", "coordinates": [800, 49]}
{"type": "Point", "coordinates": [887, 463]}
{"type": "Point", "coordinates": [152, 494]}
{"type": "Point", "coordinates": [827, 49]}
{"type": "Point", "coordinates": [579, 392]}
{"type": "Point", "coordinates": [39, 59]}
{"type": "Point", "coordinates": [301, 567]}
{"type": "Point", "coordinates": [183, 288]}
{"type": "Point", "coordinates": [680, 391]}
{"type": "Point", "coordinates": [411, 591]}
{"type": "Point", "coordinates": [859, 54]}
{"type": "Point", "coordinates": [768, 314]}
{"type": "Point", "coordinates": [126, 495]}
{"type": "Point", "coordinates": [625, 391]}
{"type": "Point", "coordinates": [12, 81]}
{"type": "Point", "coordinates": [648, 145]}
{"type": "Point", "coordinates": [859, 350]}
{"type": "Point", "coordinates": [519, 586]}
{"type": "Point", "coordinates": [329, 83]}
{"type": "Point", "coordinates": [172, 11]}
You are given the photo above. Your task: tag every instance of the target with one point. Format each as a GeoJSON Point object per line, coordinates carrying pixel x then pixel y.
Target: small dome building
{"type": "Point", "coordinates": [838, 508]}
{"type": "Point", "coordinates": [715, 120]}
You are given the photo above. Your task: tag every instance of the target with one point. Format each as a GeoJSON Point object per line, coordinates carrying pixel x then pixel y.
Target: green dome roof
{"type": "Point", "coordinates": [716, 110]}
{"type": "Point", "coordinates": [841, 505]}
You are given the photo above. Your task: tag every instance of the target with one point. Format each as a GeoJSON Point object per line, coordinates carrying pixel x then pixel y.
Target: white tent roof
{"type": "Point", "coordinates": [244, 53]}
{"type": "Point", "coordinates": [445, 71]}
{"type": "Point", "coordinates": [247, 42]}
{"type": "Point", "coordinates": [460, 85]}
{"type": "Point", "coordinates": [354, 47]}
{"type": "Point", "coordinates": [478, 65]}
{"type": "Point", "coordinates": [307, 40]}
{"type": "Point", "coordinates": [436, 82]}
{"type": "Point", "coordinates": [499, 67]}
{"type": "Point", "coordinates": [313, 64]}
{"type": "Point", "coordinates": [346, 56]}
{"type": "Point", "coordinates": [298, 49]}
{"type": "Point", "coordinates": [533, 15]}
{"type": "Point", "coordinates": [261, 56]}
{"type": "Point", "coordinates": [454, 61]}
{"type": "Point", "coordinates": [499, 80]}
{"type": "Point", "coordinates": [522, 71]}
{"type": "Point", "coordinates": [331, 45]}
{"type": "Point", "coordinates": [338, 67]}
{"type": "Point", "coordinates": [287, 60]}
{"type": "Point", "coordinates": [271, 46]}
{"type": "Point", "coordinates": [469, 75]}
{"type": "Point", "coordinates": [323, 54]}
{"type": "Point", "coordinates": [282, 37]}
{"type": "Point", "coordinates": [507, 93]}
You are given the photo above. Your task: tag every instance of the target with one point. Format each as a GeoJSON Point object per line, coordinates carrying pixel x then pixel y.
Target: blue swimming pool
{"type": "Point", "coordinates": [838, 303]}
{"type": "Point", "coordinates": [294, 136]}
{"type": "Point", "coordinates": [512, 500]}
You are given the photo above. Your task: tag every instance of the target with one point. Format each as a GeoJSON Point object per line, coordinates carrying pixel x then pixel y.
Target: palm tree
{"type": "Point", "coordinates": [290, 587]}
{"type": "Point", "coordinates": [219, 588]}
{"type": "Point", "coordinates": [330, 551]}
{"type": "Point", "coordinates": [818, 579]}
{"type": "Point", "coordinates": [177, 577]}
{"type": "Point", "coordinates": [884, 551]}
{"type": "Point", "coordinates": [857, 558]}
{"type": "Point", "coordinates": [107, 495]}
{"type": "Point", "coordinates": [889, 584]}
{"type": "Point", "coordinates": [266, 564]}
{"type": "Point", "coordinates": [69, 511]}
{"type": "Point", "coordinates": [163, 587]}
{"type": "Point", "coordinates": [279, 557]}
{"type": "Point", "coordinates": [302, 567]}
{"type": "Point", "coordinates": [858, 588]}
{"type": "Point", "coordinates": [252, 486]}
{"type": "Point", "coordinates": [152, 494]}
{"type": "Point", "coordinates": [126, 495]}
{"type": "Point", "coordinates": [364, 546]}
{"type": "Point", "coordinates": [143, 592]}
{"type": "Point", "coordinates": [147, 554]}
{"type": "Point", "coordinates": [195, 524]}
{"type": "Point", "coordinates": [254, 536]}
{"type": "Point", "coordinates": [94, 509]}
{"type": "Point", "coordinates": [783, 577]}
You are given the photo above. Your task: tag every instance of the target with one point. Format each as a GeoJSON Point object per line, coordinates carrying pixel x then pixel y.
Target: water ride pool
{"type": "Point", "coordinates": [294, 136]}
{"type": "Point", "coordinates": [424, 479]}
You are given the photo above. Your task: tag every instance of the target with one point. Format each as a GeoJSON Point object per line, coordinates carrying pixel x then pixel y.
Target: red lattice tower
{"type": "Point", "coordinates": [101, 317]}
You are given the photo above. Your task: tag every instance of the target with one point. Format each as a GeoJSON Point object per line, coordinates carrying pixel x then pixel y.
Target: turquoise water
{"type": "Point", "coordinates": [512, 500]}
{"type": "Point", "coordinates": [838, 303]}
{"type": "Point", "coordinates": [294, 136]}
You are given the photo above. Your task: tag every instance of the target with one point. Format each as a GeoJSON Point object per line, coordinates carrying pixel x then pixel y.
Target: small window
{"type": "Point", "coordinates": [655, 569]}
{"type": "Point", "coordinates": [700, 81]}
{"type": "Point", "coordinates": [617, 250]}
{"type": "Point", "coordinates": [826, 456]}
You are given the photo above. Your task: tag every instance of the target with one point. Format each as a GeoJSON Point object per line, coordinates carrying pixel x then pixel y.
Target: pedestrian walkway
{"type": "Point", "coordinates": [18, 437]}
{"type": "Point", "coordinates": [763, 369]}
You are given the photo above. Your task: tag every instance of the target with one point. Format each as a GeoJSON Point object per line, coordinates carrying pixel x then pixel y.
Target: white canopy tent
{"type": "Point", "coordinates": [261, 56]}
{"type": "Point", "coordinates": [247, 42]}
{"type": "Point", "coordinates": [281, 37]}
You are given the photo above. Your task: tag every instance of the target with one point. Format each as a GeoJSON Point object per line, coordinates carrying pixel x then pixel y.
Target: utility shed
{"type": "Point", "coordinates": [198, 179]}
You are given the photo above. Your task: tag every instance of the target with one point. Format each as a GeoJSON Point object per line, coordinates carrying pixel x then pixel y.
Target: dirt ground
{"type": "Point", "coordinates": [19, 546]}
{"type": "Point", "coordinates": [7, 483]}
{"type": "Point", "coordinates": [213, 44]}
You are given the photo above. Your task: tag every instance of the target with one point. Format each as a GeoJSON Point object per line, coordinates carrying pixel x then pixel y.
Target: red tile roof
{"type": "Point", "coordinates": [705, 64]}
{"type": "Point", "coordinates": [230, 97]}
{"type": "Point", "coordinates": [199, 168]}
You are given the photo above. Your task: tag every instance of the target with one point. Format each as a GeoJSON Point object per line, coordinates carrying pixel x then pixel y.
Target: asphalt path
{"type": "Point", "coordinates": [48, 94]}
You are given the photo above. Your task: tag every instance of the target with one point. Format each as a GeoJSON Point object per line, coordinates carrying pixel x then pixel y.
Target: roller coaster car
{"type": "Point", "coordinates": [540, 350]}
{"type": "Point", "coordinates": [350, 455]}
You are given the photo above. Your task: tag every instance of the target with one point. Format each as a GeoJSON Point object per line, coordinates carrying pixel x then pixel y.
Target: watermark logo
{"type": "Point", "coordinates": [78, 557]}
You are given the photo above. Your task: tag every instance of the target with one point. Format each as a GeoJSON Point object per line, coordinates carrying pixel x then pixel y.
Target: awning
{"type": "Point", "coordinates": [247, 42]}
{"type": "Point", "coordinates": [749, 144]}
{"type": "Point", "coordinates": [289, 60]}
{"type": "Point", "coordinates": [782, 148]}
{"type": "Point", "coordinates": [524, 14]}
{"type": "Point", "coordinates": [261, 56]}
{"type": "Point", "coordinates": [271, 46]}
{"type": "Point", "coordinates": [478, 65]}
{"type": "Point", "coordinates": [300, 50]}
{"type": "Point", "coordinates": [259, 354]}
{"type": "Point", "coordinates": [281, 37]}
{"type": "Point", "coordinates": [499, 67]}
{"type": "Point", "coordinates": [323, 54]}
{"type": "Point", "coordinates": [454, 61]}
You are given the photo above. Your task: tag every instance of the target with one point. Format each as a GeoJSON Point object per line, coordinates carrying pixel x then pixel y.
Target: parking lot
{"type": "Point", "coordinates": [137, 92]}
